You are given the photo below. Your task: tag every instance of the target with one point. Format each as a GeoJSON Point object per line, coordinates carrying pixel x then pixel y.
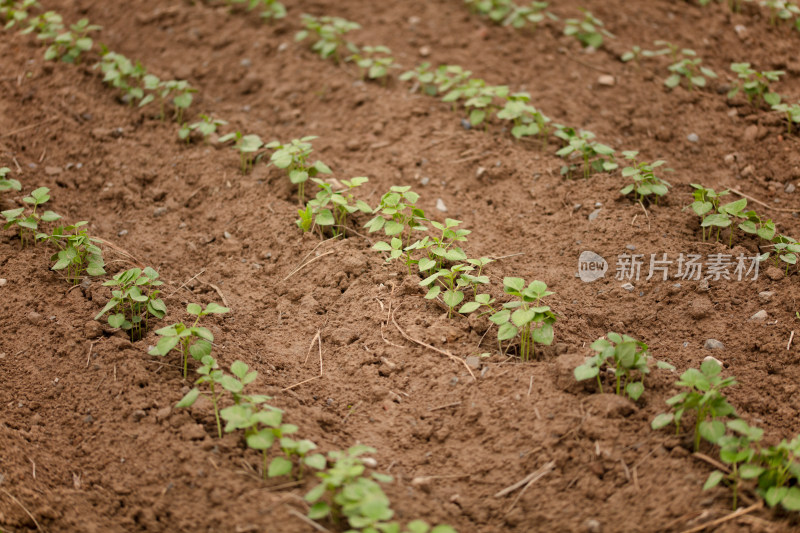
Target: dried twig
{"type": "Point", "coordinates": [23, 508]}
{"type": "Point", "coordinates": [218, 291]}
{"type": "Point", "coordinates": [30, 126]}
{"type": "Point", "coordinates": [185, 283]}
{"type": "Point", "coordinates": [726, 518]}
{"type": "Point", "coordinates": [444, 406]}
{"type": "Point", "coordinates": [763, 204]}
{"type": "Point", "coordinates": [511, 488]}
{"type": "Point", "coordinates": [713, 462]}
{"type": "Point", "coordinates": [307, 520]}
{"type": "Point", "coordinates": [298, 269]}
{"type": "Point", "coordinates": [534, 477]}
{"type": "Point", "coordinates": [435, 349]}
{"type": "Point", "coordinates": [789, 344]}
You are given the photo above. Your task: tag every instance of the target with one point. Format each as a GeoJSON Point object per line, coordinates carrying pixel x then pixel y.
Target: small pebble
{"type": "Point", "coordinates": [710, 358]}
{"type": "Point", "coordinates": [598, 204]}
{"type": "Point", "coordinates": [466, 124]}
{"type": "Point", "coordinates": [713, 344]}
{"type": "Point", "coordinates": [594, 214]}
{"type": "Point", "coordinates": [425, 51]}
{"type": "Point", "coordinates": [160, 211]}
{"type": "Point", "coordinates": [3, 281]}
{"type": "Point", "coordinates": [759, 316]}
{"type": "Point", "coordinates": [606, 80]}
{"type": "Point", "coordinates": [122, 233]}
{"type": "Point", "coordinates": [576, 207]}
{"type": "Point", "coordinates": [790, 187]}
{"type": "Point", "coordinates": [628, 287]}
{"type": "Point", "coordinates": [226, 235]}
{"type": "Point", "coordinates": [480, 172]}
{"type": "Point", "coordinates": [766, 295]}
{"type": "Point", "coordinates": [369, 461]}
{"type": "Point", "coordinates": [693, 138]}
{"type": "Point", "coordinates": [424, 181]}
{"type": "Point", "coordinates": [631, 247]}
{"type": "Point", "coordinates": [440, 205]}
{"type": "Point", "coordinates": [245, 62]}
{"type": "Point", "coordinates": [473, 361]}
{"type": "Point", "coordinates": [453, 380]}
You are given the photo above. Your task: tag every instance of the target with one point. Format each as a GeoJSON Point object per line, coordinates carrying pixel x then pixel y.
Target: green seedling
{"type": "Point", "coordinates": [589, 31]}
{"type": "Point", "coordinates": [345, 494]}
{"type": "Point", "coordinates": [674, 51]}
{"type": "Point", "coordinates": [449, 282]}
{"type": "Point", "coordinates": [755, 85]}
{"type": "Point", "coordinates": [443, 248]}
{"type": "Point", "coordinates": [786, 249]}
{"type": "Point", "coordinates": [481, 104]}
{"type": "Point", "coordinates": [780, 10]}
{"type": "Point", "coordinates": [247, 146]}
{"type": "Point", "coordinates": [47, 26]}
{"type": "Point", "coordinates": [331, 207]}
{"type": "Point", "coordinates": [374, 62]}
{"type": "Point", "coordinates": [191, 340]}
{"type": "Point", "coordinates": [78, 253]}
{"type": "Point", "coordinates": [13, 13]}
{"type": "Point", "coordinates": [596, 156]}
{"type": "Point", "coordinates": [294, 158]}
{"type": "Point", "coordinates": [634, 54]}
{"type": "Point", "coordinates": [133, 301]}
{"type": "Point", "coordinates": [399, 217]}
{"type": "Point", "coordinates": [27, 223]}
{"type": "Point", "coordinates": [207, 126]}
{"type": "Point", "coordinates": [528, 15]}
{"type": "Point", "coordinates": [705, 398]}
{"type": "Point", "coordinates": [625, 358]}
{"type": "Point", "coordinates": [755, 225]}
{"type": "Point", "coordinates": [791, 112]}
{"type": "Point", "coordinates": [706, 203]}
{"type": "Point", "coordinates": [423, 76]}
{"type": "Point", "coordinates": [121, 73]}
{"type": "Point", "coordinates": [725, 216]}
{"type": "Point", "coordinates": [8, 184]}
{"type": "Point", "coordinates": [71, 44]}
{"type": "Point", "coordinates": [271, 9]}
{"type": "Point", "coordinates": [645, 182]}
{"type": "Point", "coordinates": [525, 316]}
{"type": "Point", "coordinates": [211, 374]}
{"type": "Point", "coordinates": [496, 10]}
{"type": "Point", "coordinates": [691, 69]}
{"type": "Point", "coordinates": [527, 120]}
{"type": "Point", "coordinates": [181, 93]}
{"type": "Point", "coordinates": [330, 32]}
{"type": "Point", "coordinates": [737, 450]}
{"type": "Point", "coordinates": [448, 77]}
{"type": "Point", "coordinates": [781, 468]}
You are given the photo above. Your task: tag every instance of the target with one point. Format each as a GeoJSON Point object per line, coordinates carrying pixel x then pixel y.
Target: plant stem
{"type": "Point", "coordinates": [216, 410]}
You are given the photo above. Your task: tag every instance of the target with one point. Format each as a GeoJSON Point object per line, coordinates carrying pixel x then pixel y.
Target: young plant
{"type": "Point", "coordinates": [707, 200]}
{"type": "Point", "coordinates": [71, 44]}
{"type": "Point", "coordinates": [791, 112]}
{"type": "Point", "coordinates": [47, 25]}
{"type": "Point", "coordinates": [78, 253]}
{"type": "Point", "coordinates": [398, 216]}
{"type": "Point", "coordinates": [133, 300]}
{"type": "Point", "coordinates": [331, 207]}
{"type": "Point", "coordinates": [294, 158]}
{"type": "Point", "coordinates": [191, 340]}
{"type": "Point", "coordinates": [344, 492]}
{"type": "Point", "coordinates": [271, 9]}
{"type": "Point", "coordinates": [755, 85]}
{"type": "Point", "coordinates": [211, 374]}
{"type": "Point", "coordinates": [207, 126]}
{"type": "Point", "coordinates": [781, 467]}
{"type": "Point", "coordinates": [330, 32]}
{"type": "Point", "coordinates": [482, 103]}
{"type": "Point", "coordinates": [423, 76]}
{"type": "Point", "coordinates": [645, 182]}
{"type": "Point", "coordinates": [786, 249]}
{"type": "Point", "coordinates": [705, 398]}
{"type": "Point", "coordinates": [532, 14]}
{"type": "Point", "coordinates": [588, 31]}
{"type": "Point", "coordinates": [737, 450]}
{"type": "Point", "coordinates": [247, 146]}
{"type": "Point", "coordinates": [121, 73]}
{"type": "Point", "coordinates": [626, 358]}
{"type": "Point", "coordinates": [27, 223]}
{"type": "Point", "coordinates": [596, 156]}
{"type": "Point", "coordinates": [8, 184]}
{"type": "Point", "coordinates": [374, 62]}
{"type": "Point", "coordinates": [497, 10]}
{"type": "Point", "coordinates": [181, 93]}
{"type": "Point", "coordinates": [690, 69]}
{"type": "Point", "coordinates": [525, 316]}
{"type": "Point", "coordinates": [527, 120]}
{"type": "Point", "coordinates": [780, 10]}
{"type": "Point", "coordinates": [12, 13]}
{"type": "Point", "coordinates": [452, 280]}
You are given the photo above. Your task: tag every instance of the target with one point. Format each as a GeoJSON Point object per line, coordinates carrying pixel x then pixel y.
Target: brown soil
{"type": "Point", "coordinates": [88, 439]}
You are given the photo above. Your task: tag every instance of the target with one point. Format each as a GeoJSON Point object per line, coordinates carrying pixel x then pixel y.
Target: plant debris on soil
{"type": "Point", "coordinates": [90, 438]}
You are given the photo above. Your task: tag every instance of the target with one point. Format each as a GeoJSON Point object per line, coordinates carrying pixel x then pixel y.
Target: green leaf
{"type": "Point", "coordinates": [634, 390]}
{"type": "Point", "coordinates": [774, 495]}
{"type": "Point", "coordinates": [189, 399]}
{"type": "Point", "coordinates": [319, 510]}
{"type": "Point", "coordinates": [239, 369]}
{"type": "Point", "coordinates": [712, 430]}
{"type": "Point", "coordinates": [713, 479]}
{"type": "Point", "coordinates": [585, 372]}
{"type": "Point", "coordinates": [507, 331]}
{"type": "Point", "coordinates": [280, 466]}
{"type": "Point", "coordinates": [662, 420]}
{"type": "Point", "coordinates": [452, 298]}
{"type": "Point", "coordinates": [791, 501]}
{"type": "Point", "coordinates": [316, 461]}
{"type": "Point", "coordinates": [261, 440]}
{"type": "Point", "coordinates": [513, 284]}
{"type": "Point", "coordinates": [469, 307]}
{"type": "Point", "coordinates": [194, 309]}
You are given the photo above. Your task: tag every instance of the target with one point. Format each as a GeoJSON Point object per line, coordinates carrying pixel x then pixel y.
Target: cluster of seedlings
{"type": "Point", "coordinates": [778, 11]}
{"type": "Point", "coordinates": [716, 216]}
